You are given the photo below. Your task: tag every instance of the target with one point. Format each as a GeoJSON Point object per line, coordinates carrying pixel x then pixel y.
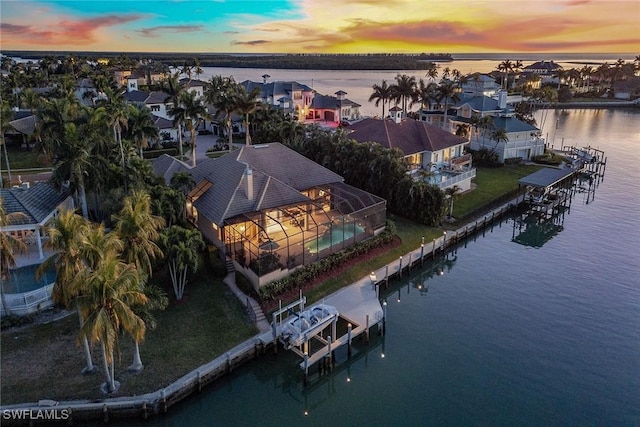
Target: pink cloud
{"type": "Point", "coordinates": [65, 31]}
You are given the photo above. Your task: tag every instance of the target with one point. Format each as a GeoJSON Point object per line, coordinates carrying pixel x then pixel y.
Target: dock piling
{"type": "Point", "coordinates": [349, 328]}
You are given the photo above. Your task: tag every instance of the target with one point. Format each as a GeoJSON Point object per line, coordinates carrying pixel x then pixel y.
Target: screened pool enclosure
{"type": "Point", "coordinates": [266, 245]}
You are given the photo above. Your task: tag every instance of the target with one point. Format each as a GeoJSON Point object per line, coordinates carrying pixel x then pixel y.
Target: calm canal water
{"type": "Point", "coordinates": [506, 335]}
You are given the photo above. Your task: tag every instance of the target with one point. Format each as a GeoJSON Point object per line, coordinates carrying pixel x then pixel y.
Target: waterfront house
{"type": "Point", "coordinates": [333, 108]}
{"type": "Point", "coordinates": [38, 204]}
{"type": "Point", "coordinates": [524, 140]}
{"type": "Point", "coordinates": [272, 210]}
{"type": "Point", "coordinates": [547, 70]}
{"type": "Point", "coordinates": [432, 153]}
{"type": "Point", "coordinates": [477, 84]}
{"type": "Point", "coordinates": [289, 96]}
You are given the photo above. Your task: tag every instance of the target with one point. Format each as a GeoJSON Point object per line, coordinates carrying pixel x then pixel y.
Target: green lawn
{"type": "Point", "coordinates": [410, 234]}
{"type": "Point", "coordinates": [44, 361]}
{"type": "Point", "coordinates": [492, 183]}
{"type": "Point", "coordinates": [23, 159]}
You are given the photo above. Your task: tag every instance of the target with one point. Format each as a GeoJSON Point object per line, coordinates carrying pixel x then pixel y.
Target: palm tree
{"type": "Point", "coordinates": [138, 228]}
{"type": "Point", "coordinates": [171, 85]}
{"type": "Point", "coordinates": [381, 93]}
{"type": "Point", "coordinates": [156, 300]}
{"type": "Point", "coordinates": [183, 182]}
{"type": "Point", "coordinates": [404, 89]}
{"type": "Point", "coordinates": [111, 290]}
{"type": "Point", "coordinates": [8, 247]}
{"type": "Point", "coordinates": [432, 71]}
{"type": "Point", "coordinates": [499, 135]}
{"type": "Point", "coordinates": [427, 93]}
{"type": "Point", "coordinates": [194, 113]}
{"type": "Point", "coordinates": [65, 236]}
{"type": "Point", "coordinates": [181, 247]}
{"type": "Point", "coordinates": [5, 120]}
{"type": "Point", "coordinates": [505, 66]}
{"type": "Point", "coordinates": [117, 113]}
{"type": "Point", "coordinates": [451, 193]}
{"type": "Point", "coordinates": [246, 103]}
{"type": "Point", "coordinates": [72, 165]}
{"type": "Point", "coordinates": [447, 91]}
{"type": "Point", "coordinates": [219, 93]}
{"type": "Point", "coordinates": [141, 127]}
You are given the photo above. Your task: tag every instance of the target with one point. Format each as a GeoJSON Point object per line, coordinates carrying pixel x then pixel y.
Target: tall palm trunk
{"type": "Point", "coordinates": [246, 131]}
{"type": "Point", "coordinates": [193, 148]}
{"type": "Point", "coordinates": [89, 369]}
{"type": "Point", "coordinates": [108, 371]}
{"type": "Point", "coordinates": [230, 134]}
{"type": "Point", "coordinates": [82, 196]}
{"type": "Point", "coordinates": [6, 158]}
{"type": "Point", "coordinates": [137, 365]}
{"type": "Point", "coordinates": [180, 140]}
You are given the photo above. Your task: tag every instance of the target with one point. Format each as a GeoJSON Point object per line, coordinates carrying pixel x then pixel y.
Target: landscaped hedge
{"type": "Point", "coordinates": [306, 274]}
{"type": "Point", "coordinates": [152, 154]}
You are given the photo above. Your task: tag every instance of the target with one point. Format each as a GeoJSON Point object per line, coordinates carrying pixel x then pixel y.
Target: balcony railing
{"type": "Point", "coordinates": [457, 178]}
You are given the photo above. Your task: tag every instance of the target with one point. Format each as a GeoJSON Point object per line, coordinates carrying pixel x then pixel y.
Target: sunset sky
{"type": "Point", "coordinates": [323, 26]}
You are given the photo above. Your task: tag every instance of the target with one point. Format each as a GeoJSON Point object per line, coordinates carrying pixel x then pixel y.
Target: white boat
{"type": "Point", "coordinates": [294, 332]}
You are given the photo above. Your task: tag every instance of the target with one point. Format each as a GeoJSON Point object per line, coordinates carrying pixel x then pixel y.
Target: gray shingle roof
{"type": "Point", "coordinates": [136, 96]}
{"type": "Point", "coordinates": [279, 176]}
{"type": "Point", "coordinates": [410, 136]}
{"type": "Point", "coordinates": [36, 202]}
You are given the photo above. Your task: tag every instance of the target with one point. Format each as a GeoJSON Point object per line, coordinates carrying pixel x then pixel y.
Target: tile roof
{"type": "Point", "coordinates": [166, 166]}
{"type": "Point", "coordinates": [480, 103]}
{"type": "Point", "coordinates": [512, 124]}
{"type": "Point", "coordinates": [36, 202]}
{"type": "Point", "coordinates": [279, 176]}
{"type": "Point", "coordinates": [410, 136]}
{"type": "Point", "coordinates": [136, 96]}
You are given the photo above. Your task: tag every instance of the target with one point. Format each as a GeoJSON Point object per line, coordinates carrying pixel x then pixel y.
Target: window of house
{"type": "Point", "coordinates": [155, 108]}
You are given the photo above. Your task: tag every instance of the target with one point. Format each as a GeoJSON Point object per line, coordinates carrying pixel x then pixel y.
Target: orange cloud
{"type": "Point", "coordinates": [65, 31]}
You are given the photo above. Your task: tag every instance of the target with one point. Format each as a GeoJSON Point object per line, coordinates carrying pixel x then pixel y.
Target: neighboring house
{"type": "Point", "coordinates": [547, 70]}
{"type": "Point", "coordinates": [289, 96]}
{"type": "Point", "coordinates": [272, 210]}
{"type": "Point", "coordinates": [154, 100]}
{"type": "Point", "coordinates": [194, 85]}
{"type": "Point", "coordinates": [480, 84]}
{"type": "Point", "coordinates": [39, 204]}
{"type": "Point", "coordinates": [120, 77]}
{"type": "Point", "coordinates": [627, 89]}
{"type": "Point", "coordinates": [23, 126]}
{"type": "Point", "coordinates": [524, 140]}
{"type": "Point", "coordinates": [333, 108]}
{"type": "Point", "coordinates": [433, 154]}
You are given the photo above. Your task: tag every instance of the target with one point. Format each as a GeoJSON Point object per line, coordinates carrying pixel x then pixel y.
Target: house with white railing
{"type": "Point", "coordinates": [434, 155]}
{"type": "Point", "coordinates": [485, 118]}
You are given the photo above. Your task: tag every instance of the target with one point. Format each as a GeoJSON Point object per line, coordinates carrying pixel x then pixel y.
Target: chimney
{"type": "Point", "coordinates": [248, 173]}
{"type": "Point", "coordinates": [265, 77]}
{"type": "Point", "coordinates": [502, 99]}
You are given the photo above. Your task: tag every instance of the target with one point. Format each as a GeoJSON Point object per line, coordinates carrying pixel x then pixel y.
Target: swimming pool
{"type": "Point", "coordinates": [438, 177]}
{"type": "Point", "coordinates": [23, 279]}
{"type": "Point", "coordinates": [338, 234]}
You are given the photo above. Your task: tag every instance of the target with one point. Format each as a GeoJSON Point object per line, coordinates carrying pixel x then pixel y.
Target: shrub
{"type": "Point", "coordinates": [152, 154]}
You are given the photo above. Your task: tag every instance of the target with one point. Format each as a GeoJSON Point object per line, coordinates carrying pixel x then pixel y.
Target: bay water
{"type": "Point", "coordinates": [496, 333]}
